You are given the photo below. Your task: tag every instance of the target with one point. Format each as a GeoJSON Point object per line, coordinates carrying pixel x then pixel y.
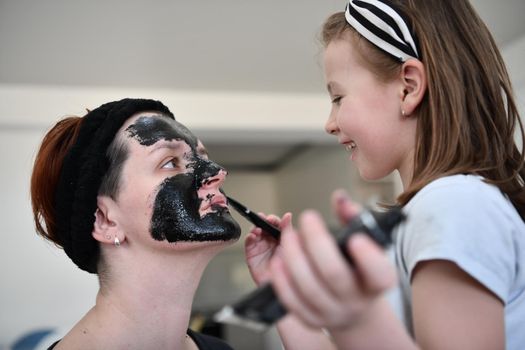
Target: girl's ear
{"type": "Point", "coordinates": [414, 80]}
{"type": "Point", "coordinates": [105, 229]}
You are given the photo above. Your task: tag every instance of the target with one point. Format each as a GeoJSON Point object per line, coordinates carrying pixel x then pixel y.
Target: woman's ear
{"type": "Point", "coordinates": [414, 80]}
{"type": "Point", "coordinates": [105, 228]}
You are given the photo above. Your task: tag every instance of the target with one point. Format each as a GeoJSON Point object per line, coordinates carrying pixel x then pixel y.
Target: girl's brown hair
{"type": "Point", "coordinates": [468, 117]}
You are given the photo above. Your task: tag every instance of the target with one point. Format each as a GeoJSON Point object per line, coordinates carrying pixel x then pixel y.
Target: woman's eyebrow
{"type": "Point", "coordinates": [173, 144]}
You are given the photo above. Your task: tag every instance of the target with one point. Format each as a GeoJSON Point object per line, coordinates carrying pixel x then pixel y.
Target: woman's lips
{"type": "Point", "coordinates": [216, 200]}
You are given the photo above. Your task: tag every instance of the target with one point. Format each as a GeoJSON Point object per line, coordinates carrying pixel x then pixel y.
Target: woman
{"type": "Point", "coordinates": [129, 194]}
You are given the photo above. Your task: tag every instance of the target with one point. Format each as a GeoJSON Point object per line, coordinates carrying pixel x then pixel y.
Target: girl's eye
{"type": "Point", "coordinates": [171, 164]}
{"type": "Point", "coordinates": [336, 100]}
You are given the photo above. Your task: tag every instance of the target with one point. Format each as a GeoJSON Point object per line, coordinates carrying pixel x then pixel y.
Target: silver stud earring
{"type": "Point", "coordinates": [403, 113]}
{"type": "Point", "coordinates": [117, 242]}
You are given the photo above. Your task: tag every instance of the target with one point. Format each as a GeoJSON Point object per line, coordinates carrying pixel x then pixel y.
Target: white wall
{"type": "Point", "coordinates": [307, 182]}
{"type": "Point", "coordinates": [40, 286]}
{"type": "Point", "coordinates": [30, 105]}
{"type": "Point", "coordinates": [514, 56]}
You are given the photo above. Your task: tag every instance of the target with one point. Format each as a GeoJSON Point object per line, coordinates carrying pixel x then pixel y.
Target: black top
{"type": "Point", "coordinates": [207, 342]}
{"type": "Point", "coordinates": [203, 341]}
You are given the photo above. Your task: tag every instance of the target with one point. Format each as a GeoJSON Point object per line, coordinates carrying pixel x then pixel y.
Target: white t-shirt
{"type": "Point", "coordinates": [464, 220]}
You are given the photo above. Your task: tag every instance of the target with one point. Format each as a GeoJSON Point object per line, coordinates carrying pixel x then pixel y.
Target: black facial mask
{"type": "Point", "coordinates": [176, 209]}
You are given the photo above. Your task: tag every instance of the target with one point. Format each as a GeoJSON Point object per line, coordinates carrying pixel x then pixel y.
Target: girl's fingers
{"type": "Point", "coordinates": [255, 231]}
{"type": "Point", "coordinates": [328, 262]}
{"type": "Point", "coordinates": [289, 295]}
{"type": "Point", "coordinates": [344, 208]}
{"type": "Point", "coordinates": [315, 282]}
{"type": "Point", "coordinates": [272, 219]}
{"type": "Point", "coordinates": [301, 274]}
{"type": "Point", "coordinates": [374, 267]}
{"type": "Point", "coordinates": [286, 220]}
{"type": "Point", "coordinates": [292, 296]}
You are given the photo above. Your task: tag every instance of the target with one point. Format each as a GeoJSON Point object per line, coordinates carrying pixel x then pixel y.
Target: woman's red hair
{"type": "Point", "coordinates": [46, 173]}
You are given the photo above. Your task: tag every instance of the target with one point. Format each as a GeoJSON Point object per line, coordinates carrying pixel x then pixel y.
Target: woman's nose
{"type": "Point", "coordinates": [216, 180]}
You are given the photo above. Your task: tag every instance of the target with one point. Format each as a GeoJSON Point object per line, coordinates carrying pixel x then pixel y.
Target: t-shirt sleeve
{"type": "Point", "coordinates": [467, 225]}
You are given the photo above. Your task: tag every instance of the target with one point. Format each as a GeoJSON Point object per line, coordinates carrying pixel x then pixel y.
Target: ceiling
{"type": "Point", "coordinates": [232, 45]}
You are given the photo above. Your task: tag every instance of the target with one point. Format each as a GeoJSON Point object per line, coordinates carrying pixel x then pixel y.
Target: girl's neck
{"type": "Point", "coordinates": [406, 169]}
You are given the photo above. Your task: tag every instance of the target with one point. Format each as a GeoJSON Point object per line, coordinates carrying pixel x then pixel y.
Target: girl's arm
{"type": "Point", "coordinates": [451, 310]}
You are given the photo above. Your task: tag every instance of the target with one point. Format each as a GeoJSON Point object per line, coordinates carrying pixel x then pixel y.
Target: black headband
{"type": "Point", "coordinates": [83, 168]}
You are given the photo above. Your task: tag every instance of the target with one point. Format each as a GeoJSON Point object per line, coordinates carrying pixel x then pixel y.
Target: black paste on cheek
{"type": "Point", "coordinates": [149, 130]}
{"type": "Point", "coordinates": [176, 215]}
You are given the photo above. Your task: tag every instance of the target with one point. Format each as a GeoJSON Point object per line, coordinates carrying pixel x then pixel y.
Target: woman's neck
{"type": "Point", "coordinates": [148, 304]}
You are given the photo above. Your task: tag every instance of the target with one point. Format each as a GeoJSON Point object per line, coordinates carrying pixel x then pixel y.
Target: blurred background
{"type": "Point", "coordinates": [244, 76]}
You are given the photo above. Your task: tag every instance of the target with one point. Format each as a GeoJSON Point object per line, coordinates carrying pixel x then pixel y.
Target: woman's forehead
{"type": "Point", "coordinates": [149, 128]}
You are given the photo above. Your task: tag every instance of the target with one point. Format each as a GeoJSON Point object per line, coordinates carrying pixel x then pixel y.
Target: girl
{"type": "Point", "coordinates": [417, 86]}
{"type": "Point", "coordinates": [130, 195]}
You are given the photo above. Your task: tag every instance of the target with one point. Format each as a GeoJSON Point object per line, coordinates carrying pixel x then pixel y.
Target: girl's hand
{"type": "Point", "coordinates": [260, 247]}
{"type": "Point", "coordinates": [315, 282]}
{"type": "Point", "coordinates": [344, 208]}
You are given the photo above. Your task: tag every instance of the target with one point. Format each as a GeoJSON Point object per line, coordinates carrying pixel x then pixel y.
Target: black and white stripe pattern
{"type": "Point", "coordinates": [378, 22]}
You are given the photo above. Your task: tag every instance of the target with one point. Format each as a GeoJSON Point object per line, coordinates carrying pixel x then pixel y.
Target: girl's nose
{"type": "Point", "coordinates": [331, 126]}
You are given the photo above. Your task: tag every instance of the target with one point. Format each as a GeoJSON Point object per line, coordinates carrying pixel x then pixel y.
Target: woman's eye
{"type": "Point", "coordinates": [170, 164]}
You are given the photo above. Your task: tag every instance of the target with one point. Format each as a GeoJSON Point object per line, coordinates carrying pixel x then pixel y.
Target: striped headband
{"type": "Point", "coordinates": [383, 26]}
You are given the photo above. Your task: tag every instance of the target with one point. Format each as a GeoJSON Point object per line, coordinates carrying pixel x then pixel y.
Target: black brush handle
{"type": "Point", "coordinates": [255, 218]}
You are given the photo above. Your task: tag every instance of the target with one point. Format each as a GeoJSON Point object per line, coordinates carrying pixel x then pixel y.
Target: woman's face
{"type": "Point", "coordinates": [169, 188]}
{"type": "Point", "coordinates": [366, 113]}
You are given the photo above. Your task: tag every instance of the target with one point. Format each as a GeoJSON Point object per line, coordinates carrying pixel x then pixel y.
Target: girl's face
{"type": "Point", "coordinates": [169, 187]}
{"type": "Point", "coordinates": [366, 114]}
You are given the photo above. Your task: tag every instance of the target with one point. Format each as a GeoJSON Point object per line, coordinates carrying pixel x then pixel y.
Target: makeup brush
{"type": "Point", "coordinates": [254, 218]}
